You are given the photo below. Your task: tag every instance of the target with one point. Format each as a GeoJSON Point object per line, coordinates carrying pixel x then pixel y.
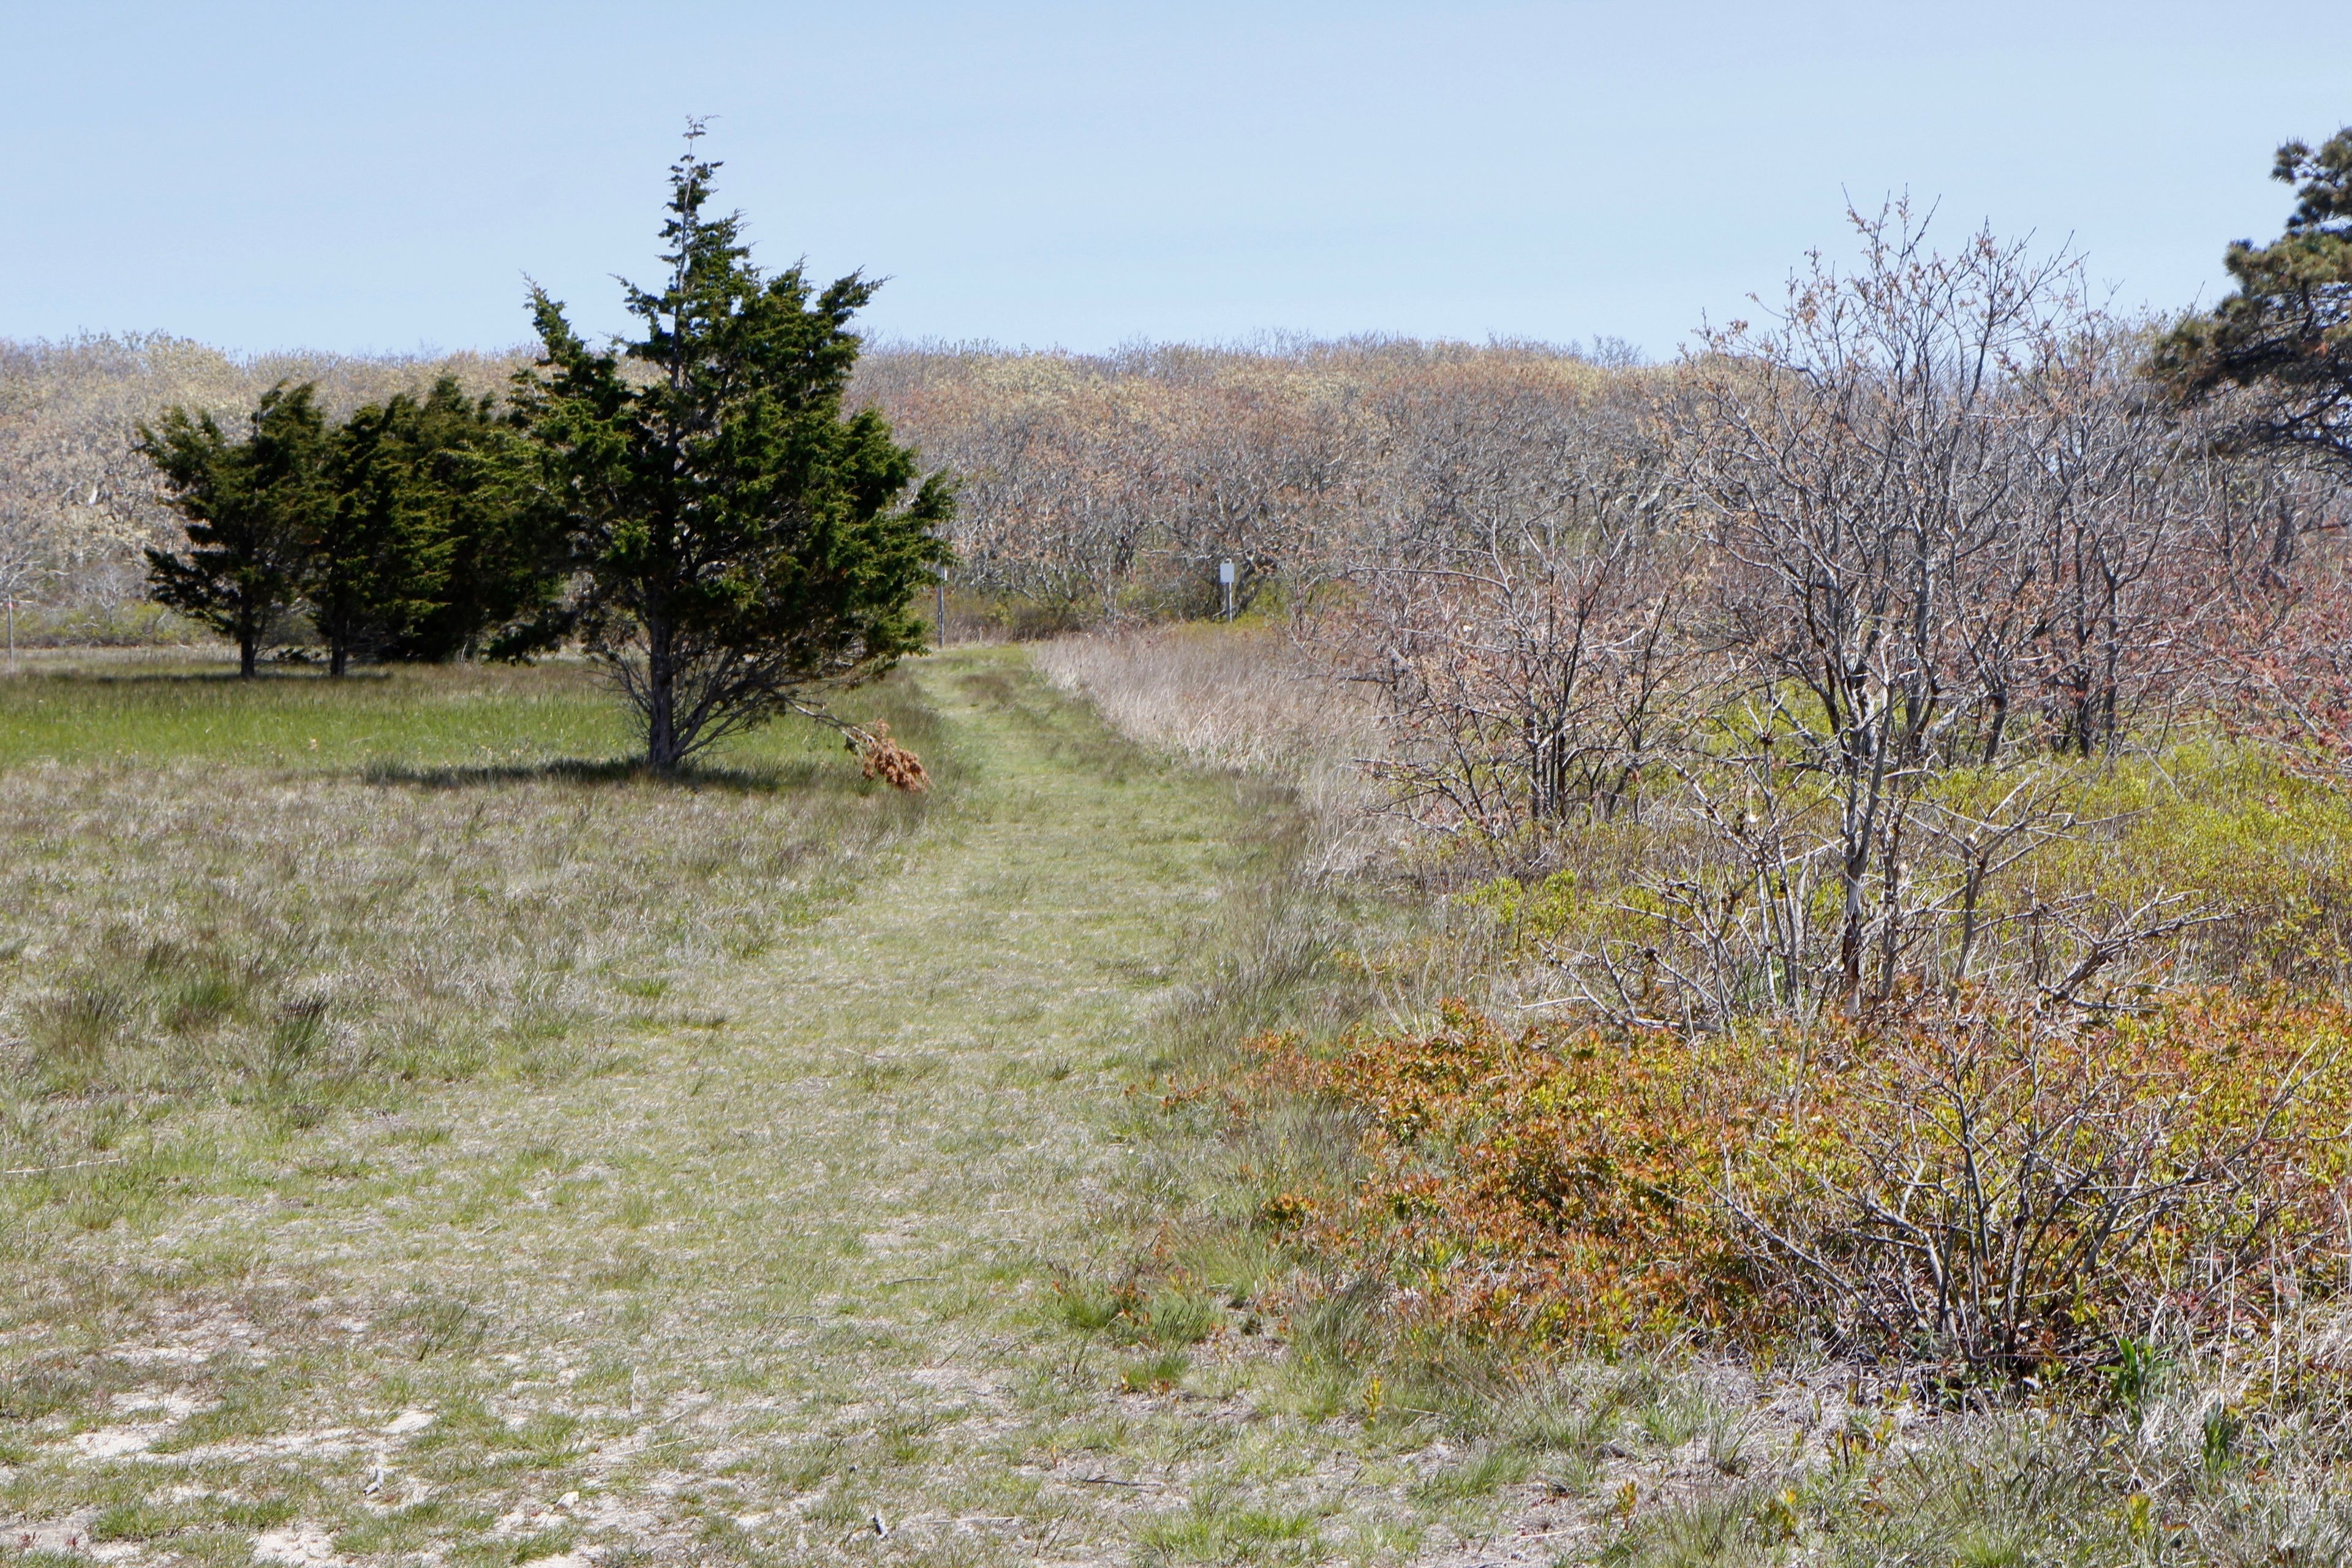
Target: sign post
{"type": "Point", "coordinates": [1225, 579]}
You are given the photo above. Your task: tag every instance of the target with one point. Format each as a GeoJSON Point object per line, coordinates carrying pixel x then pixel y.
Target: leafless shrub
{"type": "Point", "coordinates": [1512, 593]}
{"type": "Point", "coordinates": [1938, 500]}
{"type": "Point", "coordinates": [2009, 1195]}
{"type": "Point", "coordinates": [2273, 660]}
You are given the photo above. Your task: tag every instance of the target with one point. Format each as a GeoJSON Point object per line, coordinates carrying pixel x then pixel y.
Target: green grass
{"type": "Point", "coordinates": [1218, 1533]}
{"type": "Point", "coordinates": [162, 709]}
{"type": "Point", "coordinates": [440, 723]}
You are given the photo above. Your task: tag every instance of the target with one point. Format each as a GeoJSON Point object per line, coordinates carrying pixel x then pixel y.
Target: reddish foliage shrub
{"type": "Point", "coordinates": [1554, 1183]}
{"type": "Point", "coordinates": [1997, 1194]}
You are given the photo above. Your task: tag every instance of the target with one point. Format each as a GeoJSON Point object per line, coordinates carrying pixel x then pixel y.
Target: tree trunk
{"type": "Point", "coordinates": [339, 659]}
{"type": "Point", "coordinates": [248, 647]}
{"type": "Point", "coordinates": [1999, 701]}
{"type": "Point", "coordinates": [662, 750]}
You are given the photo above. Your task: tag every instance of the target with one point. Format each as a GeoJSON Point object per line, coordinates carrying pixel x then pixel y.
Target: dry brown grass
{"type": "Point", "coordinates": [1244, 698]}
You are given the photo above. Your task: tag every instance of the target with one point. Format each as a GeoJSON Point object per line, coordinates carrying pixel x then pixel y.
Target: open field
{"type": "Point", "coordinates": [442, 1148]}
{"type": "Point", "coordinates": [446, 1146]}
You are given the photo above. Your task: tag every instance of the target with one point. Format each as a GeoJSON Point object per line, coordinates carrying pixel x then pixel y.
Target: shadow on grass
{"type": "Point", "coordinates": [769, 779]}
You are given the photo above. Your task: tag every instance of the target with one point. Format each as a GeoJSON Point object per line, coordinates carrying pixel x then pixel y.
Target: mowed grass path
{"type": "Point", "coordinates": [806, 1273]}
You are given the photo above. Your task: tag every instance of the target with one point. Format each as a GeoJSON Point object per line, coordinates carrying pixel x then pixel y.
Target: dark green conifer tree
{"type": "Point", "coordinates": [252, 509]}
{"type": "Point", "coordinates": [378, 563]}
{"type": "Point", "coordinates": [435, 544]}
{"type": "Point", "coordinates": [2286, 333]}
{"type": "Point", "coordinates": [507, 549]}
{"type": "Point", "coordinates": [744, 548]}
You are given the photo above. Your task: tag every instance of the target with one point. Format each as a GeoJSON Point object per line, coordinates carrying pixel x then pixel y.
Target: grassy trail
{"type": "Point", "coordinates": [807, 1281]}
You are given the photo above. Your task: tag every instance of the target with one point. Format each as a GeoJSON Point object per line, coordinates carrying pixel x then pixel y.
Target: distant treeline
{"type": "Point", "coordinates": [79, 505]}
{"type": "Point", "coordinates": [1090, 485]}
{"type": "Point", "coordinates": [2115, 543]}
{"type": "Point", "coordinates": [1105, 487]}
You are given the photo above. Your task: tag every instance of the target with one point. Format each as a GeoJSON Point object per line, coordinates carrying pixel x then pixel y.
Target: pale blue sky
{"type": "Point", "coordinates": [377, 177]}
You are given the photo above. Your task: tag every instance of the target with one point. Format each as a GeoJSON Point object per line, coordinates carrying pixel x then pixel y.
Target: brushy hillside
{"type": "Point", "coordinates": [1999, 1282]}
{"type": "Point", "coordinates": [1090, 484]}
{"type": "Point", "coordinates": [1111, 487]}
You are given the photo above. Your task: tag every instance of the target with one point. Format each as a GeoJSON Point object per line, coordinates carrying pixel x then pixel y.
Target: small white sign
{"type": "Point", "coordinates": [1225, 573]}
